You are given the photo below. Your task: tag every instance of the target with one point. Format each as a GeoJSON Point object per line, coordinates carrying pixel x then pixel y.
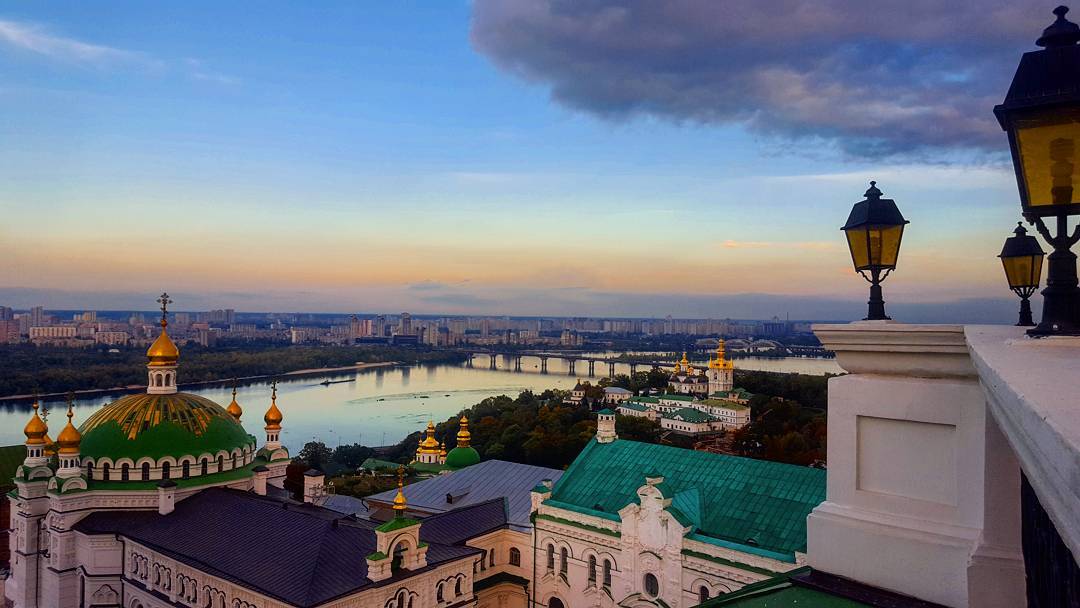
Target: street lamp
{"type": "Point", "coordinates": [1022, 258]}
{"type": "Point", "coordinates": [874, 229]}
{"type": "Point", "coordinates": [1041, 114]}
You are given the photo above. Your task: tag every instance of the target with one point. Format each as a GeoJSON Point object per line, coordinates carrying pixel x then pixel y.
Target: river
{"type": "Point", "coordinates": [379, 406]}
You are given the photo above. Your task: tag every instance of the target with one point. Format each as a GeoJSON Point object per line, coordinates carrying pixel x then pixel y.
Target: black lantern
{"type": "Point", "coordinates": [874, 229]}
{"type": "Point", "coordinates": [1041, 114]}
{"type": "Point", "coordinates": [1022, 258]}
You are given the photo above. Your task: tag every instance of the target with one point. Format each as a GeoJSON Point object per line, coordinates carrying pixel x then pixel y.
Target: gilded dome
{"type": "Point", "coordinates": [176, 424]}
{"type": "Point", "coordinates": [68, 440]}
{"type": "Point", "coordinates": [234, 408]}
{"type": "Point", "coordinates": [429, 445]}
{"type": "Point", "coordinates": [273, 416]}
{"type": "Point", "coordinates": [163, 352]}
{"type": "Point", "coordinates": [35, 430]}
{"type": "Point", "coordinates": [463, 435]}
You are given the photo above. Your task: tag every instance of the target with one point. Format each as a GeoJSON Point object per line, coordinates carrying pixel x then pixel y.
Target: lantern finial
{"type": "Point", "coordinates": [1061, 32]}
{"type": "Point", "coordinates": [873, 191]}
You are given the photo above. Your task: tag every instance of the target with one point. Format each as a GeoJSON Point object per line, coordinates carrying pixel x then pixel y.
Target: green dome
{"type": "Point", "coordinates": [174, 425]}
{"type": "Point", "coordinates": [459, 458]}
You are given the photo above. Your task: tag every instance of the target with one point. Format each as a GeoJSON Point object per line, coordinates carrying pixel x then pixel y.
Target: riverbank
{"type": "Point", "coordinates": [240, 380]}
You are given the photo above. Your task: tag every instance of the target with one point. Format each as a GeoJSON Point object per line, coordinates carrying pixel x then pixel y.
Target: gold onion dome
{"type": "Point", "coordinates": [442, 450]}
{"type": "Point", "coordinates": [36, 430]}
{"type": "Point", "coordinates": [69, 438]}
{"type": "Point", "coordinates": [429, 444]}
{"type": "Point", "coordinates": [273, 416]}
{"type": "Point", "coordinates": [463, 435]}
{"type": "Point", "coordinates": [235, 410]}
{"type": "Point", "coordinates": [720, 362]}
{"type": "Point", "coordinates": [399, 501]}
{"type": "Point", "coordinates": [163, 352]}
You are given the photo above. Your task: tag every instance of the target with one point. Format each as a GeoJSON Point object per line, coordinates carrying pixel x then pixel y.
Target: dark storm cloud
{"type": "Point", "coordinates": [876, 78]}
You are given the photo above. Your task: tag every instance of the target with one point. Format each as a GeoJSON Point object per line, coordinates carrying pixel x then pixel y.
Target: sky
{"type": "Point", "coordinates": [531, 157]}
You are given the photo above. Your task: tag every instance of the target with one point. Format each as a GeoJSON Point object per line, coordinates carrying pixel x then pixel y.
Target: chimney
{"type": "Point", "coordinates": [313, 485]}
{"type": "Point", "coordinates": [261, 475]}
{"type": "Point", "coordinates": [605, 426]}
{"type": "Point", "coordinates": [166, 491]}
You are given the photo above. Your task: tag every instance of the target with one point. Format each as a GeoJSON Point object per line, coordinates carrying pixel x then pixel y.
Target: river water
{"type": "Point", "coordinates": [379, 406]}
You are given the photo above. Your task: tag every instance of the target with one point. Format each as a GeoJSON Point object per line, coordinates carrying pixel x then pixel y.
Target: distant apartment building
{"type": "Point", "coordinates": [89, 316]}
{"type": "Point", "coordinates": [9, 331]}
{"type": "Point", "coordinates": [53, 332]}
{"type": "Point", "coordinates": [112, 338]}
{"type": "Point", "coordinates": [6, 313]}
{"type": "Point", "coordinates": [226, 316]}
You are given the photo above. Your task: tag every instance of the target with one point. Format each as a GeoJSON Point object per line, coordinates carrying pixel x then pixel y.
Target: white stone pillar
{"type": "Point", "coordinates": [905, 496]}
{"type": "Point", "coordinates": [313, 484]}
{"type": "Point", "coordinates": [166, 496]}
{"type": "Point", "coordinates": [261, 475]}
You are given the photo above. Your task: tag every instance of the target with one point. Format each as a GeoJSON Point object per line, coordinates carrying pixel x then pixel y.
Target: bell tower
{"type": "Point", "coordinates": [163, 357]}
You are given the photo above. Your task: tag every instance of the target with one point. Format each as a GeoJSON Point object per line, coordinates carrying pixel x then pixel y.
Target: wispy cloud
{"type": "Point", "coordinates": [805, 246]}
{"type": "Point", "coordinates": [198, 71]}
{"type": "Point", "coordinates": [34, 38]}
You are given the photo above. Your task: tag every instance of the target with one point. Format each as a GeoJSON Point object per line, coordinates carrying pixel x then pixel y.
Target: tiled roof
{"type": "Point", "coordinates": [299, 554]}
{"type": "Point", "coordinates": [476, 484]}
{"type": "Point", "coordinates": [689, 414]}
{"type": "Point", "coordinates": [749, 502]}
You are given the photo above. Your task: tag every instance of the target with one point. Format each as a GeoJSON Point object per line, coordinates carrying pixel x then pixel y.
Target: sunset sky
{"type": "Point", "coordinates": [693, 158]}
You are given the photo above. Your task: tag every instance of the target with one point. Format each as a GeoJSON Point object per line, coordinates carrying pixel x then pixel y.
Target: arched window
{"type": "Point", "coordinates": [146, 471]}
{"type": "Point", "coordinates": [555, 603]}
{"type": "Point", "coordinates": [592, 570]}
{"type": "Point", "coordinates": [551, 558]}
{"type": "Point", "coordinates": [439, 593]}
{"type": "Point", "coordinates": [457, 587]}
{"type": "Point", "coordinates": [125, 472]}
{"type": "Point", "coordinates": [90, 470]}
{"type": "Point", "coordinates": [205, 466]}
{"type": "Point", "coordinates": [234, 460]}
{"type": "Point", "coordinates": [491, 557]}
{"type": "Point", "coordinates": [164, 470]}
{"type": "Point", "coordinates": [703, 593]}
{"type": "Point", "coordinates": [607, 574]}
{"type": "Point", "coordinates": [220, 463]}
{"type": "Point", "coordinates": [652, 584]}
{"type": "Point", "coordinates": [185, 470]}
{"type": "Point", "coordinates": [562, 561]}
{"type": "Point", "coordinates": [515, 557]}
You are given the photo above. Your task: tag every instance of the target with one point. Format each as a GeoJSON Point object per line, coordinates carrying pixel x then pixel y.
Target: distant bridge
{"type": "Point", "coordinates": [570, 358]}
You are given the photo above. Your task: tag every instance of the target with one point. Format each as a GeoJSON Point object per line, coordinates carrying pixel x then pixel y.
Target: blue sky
{"type": "Point", "coordinates": [419, 156]}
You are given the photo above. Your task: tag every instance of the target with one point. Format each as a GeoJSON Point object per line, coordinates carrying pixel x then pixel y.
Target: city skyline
{"type": "Point", "coordinates": [414, 157]}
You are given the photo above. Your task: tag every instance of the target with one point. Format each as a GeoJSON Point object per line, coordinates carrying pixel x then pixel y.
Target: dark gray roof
{"type": "Point", "coordinates": [347, 505]}
{"type": "Point", "coordinates": [476, 484]}
{"type": "Point", "coordinates": [457, 526]}
{"type": "Point", "coordinates": [299, 554]}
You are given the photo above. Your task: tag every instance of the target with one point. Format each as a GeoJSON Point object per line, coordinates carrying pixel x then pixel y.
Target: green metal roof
{"type": "Point", "coordinates": [631, 405]}
{"type": "Point", "coordinates": [731, 405]}
{"type": "Point", "coordinates": [749, 502]}
{"type": "Point", "coordinates": [460, 457]}
{"type": "Point", "coordinates": [689, 414]}
{"type": "Point", "coordinates": [779, 592]}
{"type": "Point", "coordinates": [642, 400]}
{"type": "Point", "coordinates": [674, 397]}
{"type": "Point", "coordinates": [374, 464]}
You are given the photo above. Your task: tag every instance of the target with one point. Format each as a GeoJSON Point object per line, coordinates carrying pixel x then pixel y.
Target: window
{"type": "Point", "coordinates": [164, 470]}
{"type": "Point", "coordinates": [551, 557]}
{"type": "Point", "coordinates": [146, 471]}
{"type": "Point", "coordinates": [125, 472]}
{"type": "Point", "coordinates": [105, 471]}
{"type": "Point", "coordinates": [185, 470]}
{"type": "Point", "coordinates": [555, 603]}
{"type": "Point", "coordinates": [491, 557]}
{"type": "Point", "coordinates": [457, 587]}
{"type": "Point", "coordinates": [234, 460]}
{"type": "Point", "coordinates": [607, 574]}
{"type": "Point", "coordinates": [592, 570]}
{"type": "Point", "coordinates": [515, 557]}
{"type": "Point", "coordinates": [220, 464]}
{"type": "Point", "coordinates": [90, 470]}
{"type": "Point", "coordinates": [562, 561]}
{"type": "Point", "coordinates": [205, 465]}
{"type": "Point", "coordinates": [703, 593]}
{"type": "Point", "coordinates": [438, 593]}
{"type": "Point", "coordinates": [652, 584]}
{"type": "Point", "coordinates": [483, 561]}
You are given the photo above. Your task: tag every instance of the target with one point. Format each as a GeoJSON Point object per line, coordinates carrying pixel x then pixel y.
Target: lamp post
{"type": "Point", "coordinates": [874, 229]}
{"type": "Point", "coordinates": [1022, 258]}
{"type": "Point", "coordinates": [1041, 114]}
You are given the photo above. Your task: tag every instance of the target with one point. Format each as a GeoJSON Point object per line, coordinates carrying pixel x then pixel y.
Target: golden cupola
{"type": "Point", "coordinates": [236, 411]}
{"type": "Point", "coordinates": [163, 353]}
{"type": "Point", "coordinates": [68, 440]}
{"type": "Point", "coordinates": [720, 362]}
{"type": "Point", "coordinates": [463, 435]}
{"type": "Point", "coordinates": [273, 416]}
{"type": "Point", "coordinates": [400, 505]}
{"type": "Point", "coordinates": [36, 429]}
{"type": "Point", "coordinates": [429, 445]}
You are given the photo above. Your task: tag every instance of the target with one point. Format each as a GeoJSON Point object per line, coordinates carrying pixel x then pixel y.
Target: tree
{"type": "Point", "coordinates": [637, 428]}
{"type": "Point", "coordinates": [315, 454]}
{"type": "Point", "coordinates": [352, 456]}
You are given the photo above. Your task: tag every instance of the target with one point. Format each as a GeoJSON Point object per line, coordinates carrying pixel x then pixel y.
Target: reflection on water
{"type": "Point", "coordinates": [382, 405]}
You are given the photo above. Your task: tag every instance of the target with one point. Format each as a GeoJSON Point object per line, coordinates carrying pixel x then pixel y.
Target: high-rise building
{"type": "Point", "coordinates": [38, 317]}
{"type": "Point", "coordinates": [405, 326]}
{"type": "Point", "coordinates": [6, 313]}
